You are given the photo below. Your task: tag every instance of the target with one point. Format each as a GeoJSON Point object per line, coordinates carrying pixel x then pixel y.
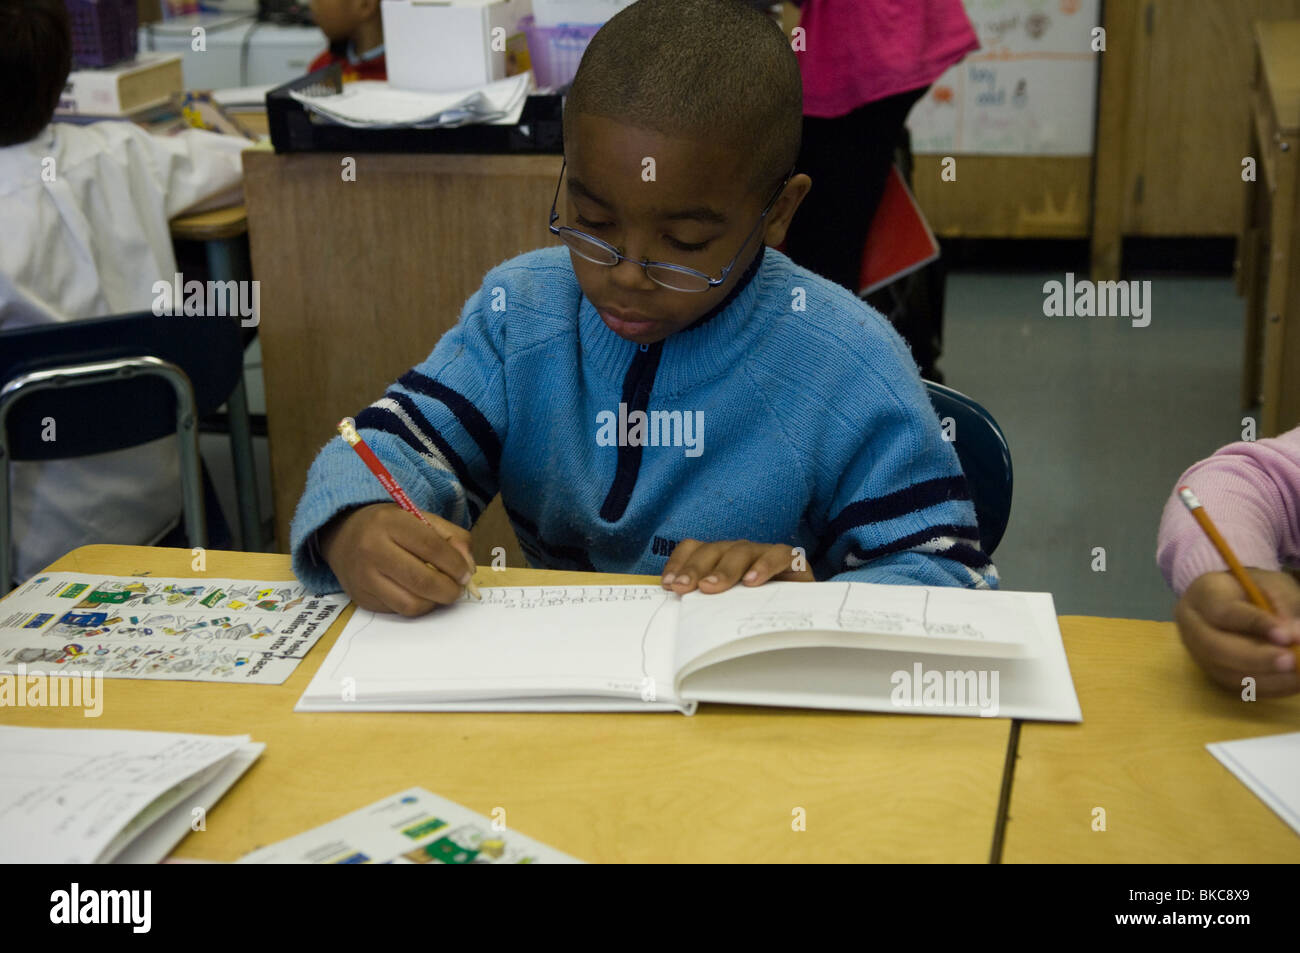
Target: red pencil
{"type": "Point", "coordinates": [348, 429]}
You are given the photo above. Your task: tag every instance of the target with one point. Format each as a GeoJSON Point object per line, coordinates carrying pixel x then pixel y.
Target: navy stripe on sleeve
{"type": "Point", "coordinates": [470, 417]}
{"type": "Point", "coordinates": [962, 552]}
{"type": "Point", "coordinates": [909, 499]}
{"type": "Point", "coordinates": [383, 419]}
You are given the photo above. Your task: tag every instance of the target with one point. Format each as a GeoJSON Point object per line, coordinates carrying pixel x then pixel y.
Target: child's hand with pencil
{"type": "Point", "coordinates": [1243, 623]}
{"type": "Point", "coordinates": [387, 561]}
{"type": "Point", "coordinates": [1231, 638]}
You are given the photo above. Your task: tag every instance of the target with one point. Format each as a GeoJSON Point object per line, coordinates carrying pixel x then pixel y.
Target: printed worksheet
{"type": "Point", "coordinates": [210, 630]}
{"type": "Point", "coordinates": [413, 827]}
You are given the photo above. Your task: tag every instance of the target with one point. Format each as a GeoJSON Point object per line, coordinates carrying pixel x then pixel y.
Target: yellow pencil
{"type": "Point", "coordinates": [1253, 592]}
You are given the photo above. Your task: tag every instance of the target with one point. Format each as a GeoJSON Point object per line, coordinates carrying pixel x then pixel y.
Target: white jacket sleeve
{"type": "Point", "coordinates": [195, 168]}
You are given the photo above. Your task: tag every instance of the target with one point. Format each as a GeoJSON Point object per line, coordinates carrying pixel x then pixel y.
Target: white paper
{"type": "Point", "coordinates": [1269, 766]}
{"type": "Point", "coordinates": [237, 97]}
{"type": "Point", "coordinates": [541, 642]}
{"type": "Point", "coordinates": [1029, 90]}
{"type": "Point", "coordinates": [855, 615]}
{"type": "Point", "coordinates": [199, 629]}
{"type": "Point", "coordinates": [903, 681]}
{"type": "Point", "coordinates": [154, 843]}
{"type": "Point", "coordinates": [66, 794]}
{"type": "Point", "coordinates": [622, 648]}
{"type": "Point", "coordinates": [413, 827]}
{"type": "Point", "coordinates": [374, 104]}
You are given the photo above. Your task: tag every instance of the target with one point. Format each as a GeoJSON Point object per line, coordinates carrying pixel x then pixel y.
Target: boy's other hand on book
{"type": "Point", "coordinates": [716, 567]}
{"type": "Point", "coordinates": [1232, 639]}
{"type": "Point", "coordinates": [388, 561]}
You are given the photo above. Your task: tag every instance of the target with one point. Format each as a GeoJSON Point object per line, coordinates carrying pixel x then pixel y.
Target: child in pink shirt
{"type": "Point", "coordinates": [864, 64]}
{"type": "Point", "coordinates": [1252, 492]}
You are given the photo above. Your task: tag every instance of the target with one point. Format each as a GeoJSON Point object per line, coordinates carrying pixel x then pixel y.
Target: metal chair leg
{"type": "Point", "coordinates": [241, 449]}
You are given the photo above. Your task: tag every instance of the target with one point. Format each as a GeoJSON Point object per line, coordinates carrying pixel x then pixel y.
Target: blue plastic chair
{"type": "Point", "coordinates": [985, 459]}
{"type": "Point", "coordinates": [113, 383]}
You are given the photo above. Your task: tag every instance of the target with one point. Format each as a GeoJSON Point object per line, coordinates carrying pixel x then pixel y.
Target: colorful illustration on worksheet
{"type": "Point", "coordinates": [230, 594]}
{"type": "Point", "coordinates": [469, 844]}
{"type": "Point", "coordinates": [132, 626]}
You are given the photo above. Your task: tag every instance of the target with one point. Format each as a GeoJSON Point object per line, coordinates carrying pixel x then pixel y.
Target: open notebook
{"type": "Point", "coordinates": [76, 796]}
{"type": "Point", "coordinates": [842, 645]}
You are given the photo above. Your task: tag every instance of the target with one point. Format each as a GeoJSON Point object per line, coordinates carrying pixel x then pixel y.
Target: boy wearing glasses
{"type": "Point", "coordinates": [662, 393]}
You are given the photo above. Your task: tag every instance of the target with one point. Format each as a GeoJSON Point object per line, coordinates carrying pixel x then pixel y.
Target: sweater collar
{"type": "Point", "coordinates": [711, 346]}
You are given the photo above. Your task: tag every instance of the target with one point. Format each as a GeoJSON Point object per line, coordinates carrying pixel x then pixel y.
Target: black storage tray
{"type": "Point", "coordinates": [294, 129]}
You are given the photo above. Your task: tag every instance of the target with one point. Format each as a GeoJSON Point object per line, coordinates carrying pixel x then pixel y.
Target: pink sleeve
{"type": "Point", "coordinates": [1252, 492]}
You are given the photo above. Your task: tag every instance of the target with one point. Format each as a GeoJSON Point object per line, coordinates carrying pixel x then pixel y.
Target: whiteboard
{"type": "Point", "coordinates": [1029, 90]}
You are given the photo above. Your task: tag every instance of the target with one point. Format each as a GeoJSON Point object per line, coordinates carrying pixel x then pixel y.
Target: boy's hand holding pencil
{"type": "Point", "coordinates": [394, 557]}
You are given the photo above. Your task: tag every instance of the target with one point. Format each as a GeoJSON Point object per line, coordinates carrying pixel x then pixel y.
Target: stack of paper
{"type": "Point", "coordinates": [371, 104]}
{"type": "Point", "coordinates": [72, 796]}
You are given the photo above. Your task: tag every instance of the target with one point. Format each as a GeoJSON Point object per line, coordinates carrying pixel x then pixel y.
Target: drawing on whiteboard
{"type": "Point", "coordinates": [1028, 90]}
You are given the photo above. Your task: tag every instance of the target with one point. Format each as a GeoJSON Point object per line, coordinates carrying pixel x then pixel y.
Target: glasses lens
{"type": "Point", "coordinates": [677, 280]}
{"type": "Point", "coordinates": [587, 248]}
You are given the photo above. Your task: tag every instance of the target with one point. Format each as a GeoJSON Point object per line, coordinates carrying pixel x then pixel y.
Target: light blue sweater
{"type": "Point", "coordinates": [791, 413]}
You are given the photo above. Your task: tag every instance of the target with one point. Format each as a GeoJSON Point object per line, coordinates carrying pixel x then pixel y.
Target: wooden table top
{"type": "Point", "coordinates": [1148, 713]}
{"type": "Point", "coordinates": [719, 786]}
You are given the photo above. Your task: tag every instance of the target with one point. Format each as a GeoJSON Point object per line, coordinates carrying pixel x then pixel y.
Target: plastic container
{"type": "Point", "coordinates": [103, 31]}
{"type": "Point", "coordinates": [556, 51]}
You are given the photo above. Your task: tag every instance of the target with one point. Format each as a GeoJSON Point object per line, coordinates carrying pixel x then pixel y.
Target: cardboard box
{"type": "Point", "coordinates": [439, 46]}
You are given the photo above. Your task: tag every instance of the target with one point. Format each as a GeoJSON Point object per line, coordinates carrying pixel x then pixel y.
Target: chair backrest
{"type": "Point", "coordinates": [985, 459]}
{"type": "Point", "coordinates": [97, 418]}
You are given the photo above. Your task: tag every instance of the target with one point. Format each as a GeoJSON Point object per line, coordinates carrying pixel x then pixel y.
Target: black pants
{"type": "Point", "coordinates": [848, 158]}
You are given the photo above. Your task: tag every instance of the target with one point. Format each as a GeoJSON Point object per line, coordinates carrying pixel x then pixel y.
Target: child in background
{"type": "Point", "coordinates": [1252, 492]}
{"type": "Point", "coordinates": [355, 30]}
{"type": "Point", "coordinates": [84, 212]}
{"type": "Point", "coordinates": [665, 394]}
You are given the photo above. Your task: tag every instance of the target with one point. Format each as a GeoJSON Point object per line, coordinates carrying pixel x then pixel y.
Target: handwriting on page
{"type": "Point", "coordinates": [548, 597]}
{"type": "Point", "coordinates": [908, 612]}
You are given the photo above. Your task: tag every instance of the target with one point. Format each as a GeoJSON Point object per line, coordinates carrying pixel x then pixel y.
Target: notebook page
{"type": "Point", "coordinates": [1270, 767]}
{"type": "Point", "coordinates": [853, 615]}
{"type": "Point", "coordinates": [67, 792]}
{"type": "Point", "coordinates": [519, 642]}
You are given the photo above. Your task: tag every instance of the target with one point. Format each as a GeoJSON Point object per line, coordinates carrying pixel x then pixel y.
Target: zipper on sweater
{"type": "Point", "coordinates": [637, 385]}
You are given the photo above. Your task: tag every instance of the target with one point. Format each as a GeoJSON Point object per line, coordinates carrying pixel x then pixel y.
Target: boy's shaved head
{"type": "Point", "coordinates": [713, 69]}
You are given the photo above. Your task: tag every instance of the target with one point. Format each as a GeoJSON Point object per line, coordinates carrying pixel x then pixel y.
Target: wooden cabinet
{"type": "Point", "coordinates": [361, 278]}
{"type": "Point", "coordinates": [1173, 118]}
